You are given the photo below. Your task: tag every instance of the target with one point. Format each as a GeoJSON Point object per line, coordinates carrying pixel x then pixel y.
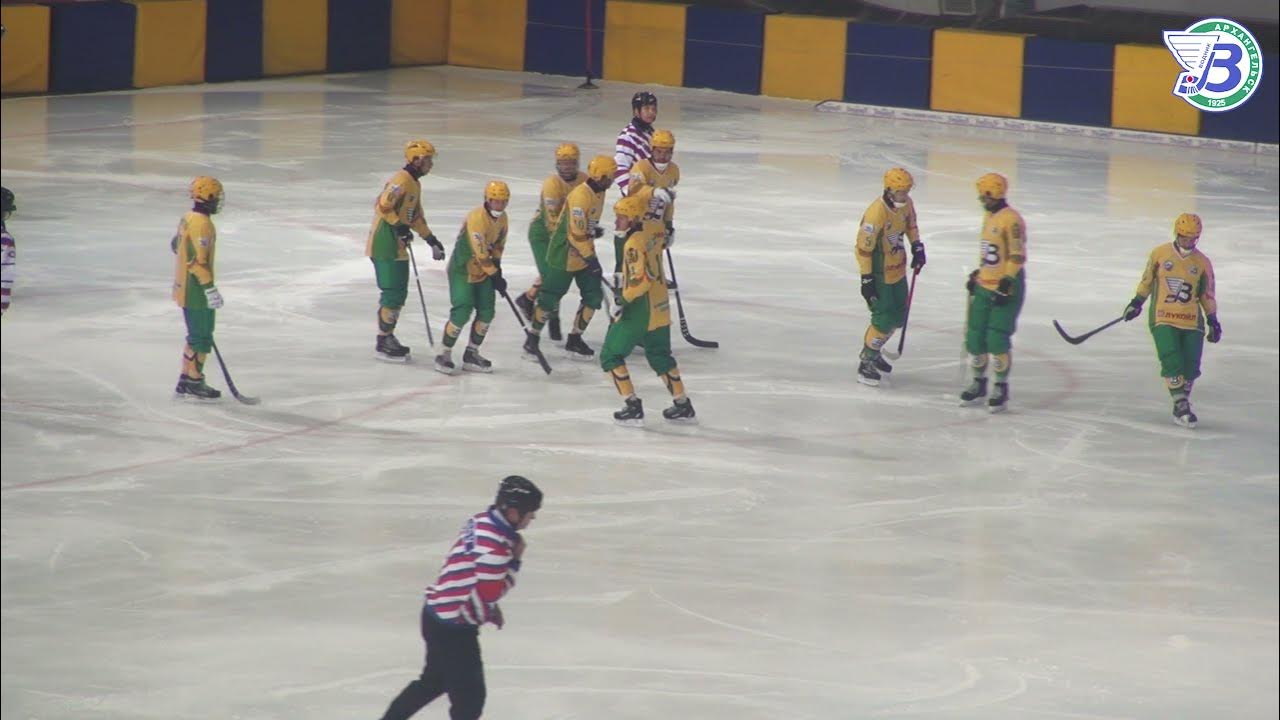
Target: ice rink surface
{"type": "Point", "coordinates": [813, 549]}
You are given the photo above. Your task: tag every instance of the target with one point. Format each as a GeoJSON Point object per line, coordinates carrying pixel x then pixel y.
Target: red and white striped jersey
{"type": "Point", "coordinates": [10, 254]}
{"type": "Point", "coordinates": [632, 147]}
{"type": "Point", "coordinates": [480, 569]}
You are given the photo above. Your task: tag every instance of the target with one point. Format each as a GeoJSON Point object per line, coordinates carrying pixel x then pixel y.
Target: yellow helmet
{"type": "Point", "coordinates": [664, 139]}
{"type": "Point", "coordinates": [415, 149]}
{"type": "Point", "coordinates": [630, 206]}
{"type": "Point", "coordinates": [898, 180]}
{"type": "Point", "coordinates": [993, 185]}
{"type": "Point", "coordinates": [205, 189]}
{"type": "Point", "coordinates": [497, 190]}
{"type": "Point", "coordinates": [601, 167]}
{"type": "Point", "coordinates": [567, 151]}
{"type": "Point", "coordinates": [1188, 225]}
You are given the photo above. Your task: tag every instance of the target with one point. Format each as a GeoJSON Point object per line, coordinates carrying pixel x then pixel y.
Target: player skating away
{"type": "Point", "coordinates": [481, 568]}
{"type": "Point", "coordinates": [1181, 278]}
{"type": "Point", "coordinates": [475, 274]}
{"type": "Point", "coordinates": [555, 189]}
{"type": "Point", "coordinates": [642, 316]}
{"type": "Point", "coordinates": [194, 246]}
{"type": "Point", "coordinates": [996, 291]}
{"type": "Point", "coordinates": [8, 249]}
{"type": "Point", "coordinates": [882, 262]}
{"type": "Point", "coordinates": [571, 258]}
{"type": "Point", "coordinates": [661, 172]}
{"type": "Point", "coordinates": [397, 215]}
{"type": "Point", "coordinates": [633, 143]}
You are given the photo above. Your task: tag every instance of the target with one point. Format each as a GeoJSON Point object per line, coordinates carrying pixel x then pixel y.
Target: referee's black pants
{"type": "Point", "coordinates": [453, 667]}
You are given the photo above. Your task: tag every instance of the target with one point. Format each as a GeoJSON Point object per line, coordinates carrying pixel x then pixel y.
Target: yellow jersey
{"type": "Point", "coordinates": [1182, 285]}
{"type": "Point", "coordinates": [554, 192]}
{"type": "Point", "coordinates": [879, 245]}
{"type": "Point", "coordinates": [574, 238]}
{"type": "Point", "coordinates": [193, 268]}
{"type": "Point", "coordinates": [643, 276]}
{"type": "Point", "coordinates": [400, 203]}
{"type": "Point", "coordinates": [480, 244]}
{"type": "Point", "coordinates": [656, 178]}
{"type": "Point", "coordinates": [1003, 248]}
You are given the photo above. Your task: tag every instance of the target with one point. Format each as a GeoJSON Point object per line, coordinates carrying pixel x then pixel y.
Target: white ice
{"type": "Point", "coordinates": [814, 549]}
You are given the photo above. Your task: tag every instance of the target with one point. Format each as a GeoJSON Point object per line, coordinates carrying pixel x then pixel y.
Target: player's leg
{"type": "Point", "coordinates": [975, 343]}
{"type": "Point", "coordinates": [1169, 350]}
{"type": "Point", "coordinates": [485, 309]}
{"type": "Point", "coordinates": [1001, 325]}
{"type": "Point", "coordinates": [886, 317]}
{"type": "Point", "coordinates": [464, 675]}
{"type": "Point", "coordinates": [623, 335]}
{"type": "Point", "coordinates": [592, 298]}
{"type": "Point", "coordinates": [461, 305]}
{"type": "Point", "coordinates": [431, 683]}
{"type": "Point", "coordinates": [200, 323]}
{"type": "Point", "coordinates": [657, 350]}
{"type": "Point", "coordinates": [393, 286]}
{"type": "Point", "coordinates": [539, 239]}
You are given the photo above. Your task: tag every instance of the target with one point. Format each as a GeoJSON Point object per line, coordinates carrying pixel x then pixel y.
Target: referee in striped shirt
{"type": "Point", "coordinates": [635, 139]}
{"type": "Point", "coordinates": [480, 569]}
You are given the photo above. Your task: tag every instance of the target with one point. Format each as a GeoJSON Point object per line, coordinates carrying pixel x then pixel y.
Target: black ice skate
{"type": "Point", "coordinates": [553, 328]}
{"type": "Point", "coordinates": [444, 363]}
{"type": "Point", "coordinates": [195, 388]}
{"type": "Point", "coordinates": [531, 350]}
{"type": "Point", "coordinates": [390, 349]}
{"type": "Point", "coordinates": [975, 392]}
{"type": "Point", "coordinates": [1182, 413]}
{"type": "Point", "coordinates": [681, 412]}
{"type": "Point", "coordinates": [867, 374]}
{"type": "Point", "coordinates": [578, 350]}
{"type": "Point", "coordinates": [473, 361]}
{"type": "Point", "coordinates": [631, 414]}
{"type": "Point", "coordinates": [526, 306]}
{"type": "Point", "coordinates": [882, 365]}
{"type": "Point", "coordinates": [999, 399]}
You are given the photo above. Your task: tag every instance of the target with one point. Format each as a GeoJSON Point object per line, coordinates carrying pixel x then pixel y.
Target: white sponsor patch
{"type": "Point", "coordinates": [869, 228]}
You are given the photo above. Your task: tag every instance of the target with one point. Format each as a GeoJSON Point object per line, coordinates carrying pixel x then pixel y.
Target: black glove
{"type": "Point", "coordinates": [173, 244]}
{"type": "Point", "coordinates": [869, 290]}
{"type": "Point", "coordinates": [1215, 328]}
{"type": "Point", "coordinates": [972, 282]}
{"type": "Point", "coordinates": [1134, 308]}
{"type": "Point", "coordinates": [593, 268]}
{"type": "Point", "coordinates": [1002, 292]}
{"type": "Point", "coordinates": [917, 255]}
{"type": "Point", "coordinates": [499, 282]}
{"type": "Point", "coordinates": [598, 232]}
{"type": "Point", "coordinates": [403, 233]}
{"type": "Point", "coordinates": [437, 249]}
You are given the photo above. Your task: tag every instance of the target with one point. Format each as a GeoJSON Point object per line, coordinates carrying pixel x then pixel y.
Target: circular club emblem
{"type": "Point", "coordinates": [1222, 64]}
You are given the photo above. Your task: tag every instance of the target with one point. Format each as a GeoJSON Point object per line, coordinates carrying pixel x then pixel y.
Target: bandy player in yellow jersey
{"type": "Point", "coordinates": [1181, 278]}
{"type": "Point", "coordinates": [656, 201]}
{"type": "Point", "coordinates": [475, 274]}
{"type": "Point", "coordinates": [397, 214]}
{"type": "Point", "coordinates": [882, 263]}
{"type": "Point", "coordinates": [996, 290]}
{"type": "Point", "coordinates": [555, 189]}
{"type": "Point", "coordinates": [661, 172]}
{"type": "Point", "coordinates": [193, 284]}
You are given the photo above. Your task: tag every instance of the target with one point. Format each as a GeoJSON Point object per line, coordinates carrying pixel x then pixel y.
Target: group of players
{"type": "Point", "coordinates": [562, 237]}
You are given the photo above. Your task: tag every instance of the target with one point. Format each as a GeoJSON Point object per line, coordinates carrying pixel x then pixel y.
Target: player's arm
{"type": "Point", "coordinates": [580, 227]}
{"type": "Point", "coordinates": [635, 276]}
{"type": "Point", "coordinates": [200, 236]}
{"type": "Point", "coordinates": [419, 223]}
{"type": "Point", "coordinates": [1148, 277]}
{"type": "Point", "coordinates": [480, 249]}
{"type": "Point", "coordinates": [388, 205]}
{"type": "Point", "coordinates": [625, 154]}
{"type": "Point", "coordinates": [865, 244]}
{"type": "Point", "coordinates": [552, 201]}
{"type": "Point", "coordinates": [1016, 242]}
{"type": "Point", "coordinates": [10, 253]}
{"type": "Point", "coordinates": [913, 232]}
{"type": "Point", "coordinates": [1208, 290]}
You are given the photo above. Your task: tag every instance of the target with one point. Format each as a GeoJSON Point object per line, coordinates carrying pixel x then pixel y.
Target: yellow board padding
{"type": "Point", "coordinates": [644, 42]}
{"type": "Point", "coordinates": [419, 32]}
{"type": "Point", "coordinates": [295, 36]}
{"type": "Point", "coordinates": [24, 54]}
{"type": "Point", "coordinates": [804, 57]}
{"type": "Point", "coordinates": [168, 45]}
{"type": "Point", "coordinates": [487, 33]}
{"type": "Point", "coordinates": [1142, 92]}
{"type": "Point", "coordinates": [977, 72]}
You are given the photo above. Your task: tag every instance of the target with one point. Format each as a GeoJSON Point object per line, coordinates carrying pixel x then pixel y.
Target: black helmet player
{"type": "Point", "coordinates": [7, 203]}
{"type": "Point", "coordinates": [519, 494]}
{"type": "Point", "coordinates": [643, 98]}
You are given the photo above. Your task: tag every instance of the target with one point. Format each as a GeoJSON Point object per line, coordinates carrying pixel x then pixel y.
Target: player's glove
{"type": "Point", "coordinates": [1002, 291]}
{"type": "Point", "coordinates": [213, 297]}
{"type": "Point", "coordinates": [972, 282]}
{"type": "Point", "coordinates": [495, 617]}
{"type": "Point", "coordinates": [869, 290]}
{"type": "Point", "coordinates": [403, 233]}
{"type": "Point", "coordinates": [593, 268]}
{"type": "Point", "coordinates": [597, 232]}
{"type": "Point", "coordinates": [173, 244]}
{"type": "Point", "coordinates": [671, 234]}
{"type": "Point", "coordinates": [1134, 308]}
{"type": "Point", "coordinates": [1215, 328]}
{"type": "Point", "coordinates": [917, 255]}
{"type": "Point", "coordinates": [499, 282]}
{"type": "Point", "coordinates": [666, 195]}
{"type": "Point", "coordinates": [615, 309]}
{"type": "Point", "coordinates": [437, 249]}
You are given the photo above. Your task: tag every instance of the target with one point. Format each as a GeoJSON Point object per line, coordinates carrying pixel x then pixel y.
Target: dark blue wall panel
{"type": "Point", "coordinates": [555, 39]}
{"type": "Point", "coordinates": [888, 65]}
{"type": "Point", "coordinates": [91, 47]}
{"type": "Point", "coordinates": [359, 35]}
{"type": "Point", "coordinates": [1256, 120]}
{"type": "Point", "coordinates": [723, 49]}
{"type": "Point", "coordinates": [1066, 81]}
{"type": "Point", "coordinates": [233, 40]}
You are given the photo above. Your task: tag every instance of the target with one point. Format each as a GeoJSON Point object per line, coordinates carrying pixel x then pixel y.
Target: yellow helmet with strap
{"type": "Point", "coordinates": [630, 206]}
{"type": "Point", "coordinates": [601, 167]}
{"type": "Point", "coordinates": [415, 149]}
{"type": "Point", "coordinates": [497, 190]}
{"type": "Point", "coordinates": [567, 151]}
{"type": "Point", "coordinates": [898, 180]}
{"type": "Point", "coordinates": [993, 186]}
{"type": "Point", "coordinates": [1188, 225]}
{"type": "Point", "coordinates": [208, 190]}
{"type": "Point", "coordinates": [663, 139]}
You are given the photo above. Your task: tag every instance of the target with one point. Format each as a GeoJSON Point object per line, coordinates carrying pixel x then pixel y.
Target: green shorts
{"type": "Point", "coordinates": [393, 281]}
{"type": "Point", "coordinates": [990, 327]}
